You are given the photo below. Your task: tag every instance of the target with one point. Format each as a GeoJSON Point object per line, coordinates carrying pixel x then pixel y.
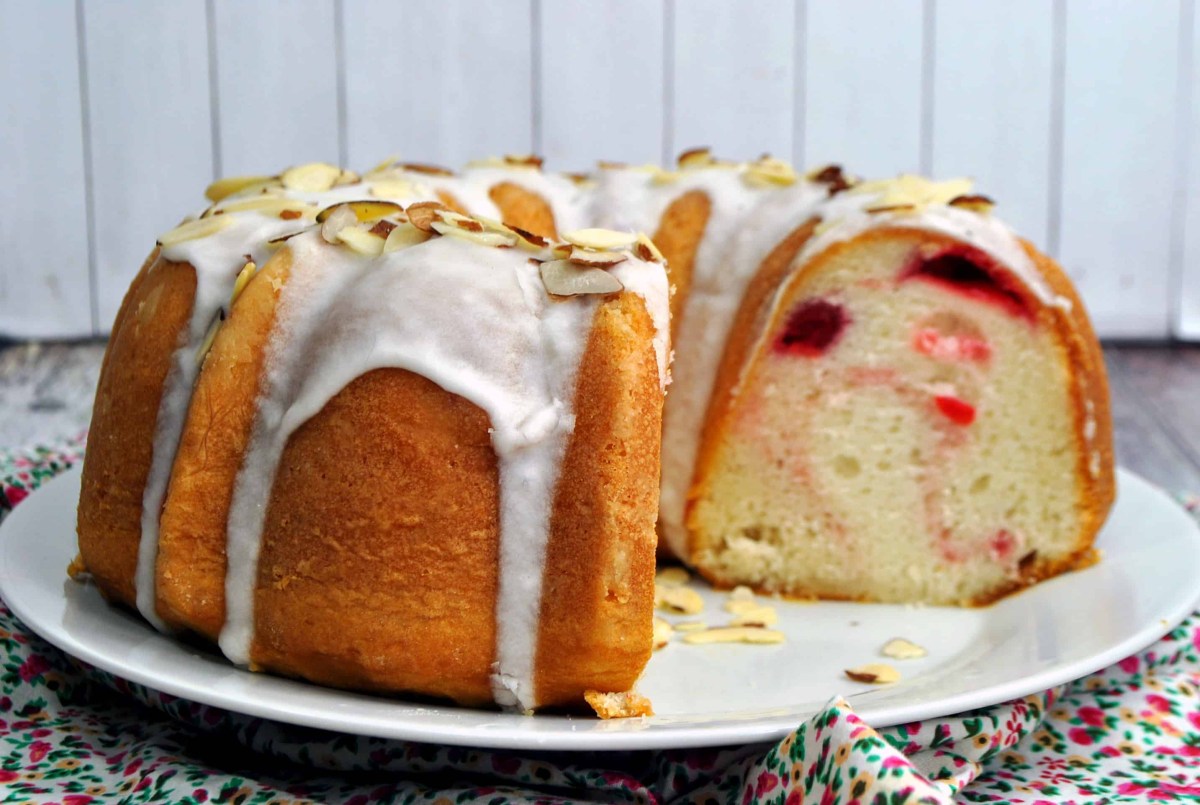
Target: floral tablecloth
{"type": "Point", "coordinates": [73, 735]}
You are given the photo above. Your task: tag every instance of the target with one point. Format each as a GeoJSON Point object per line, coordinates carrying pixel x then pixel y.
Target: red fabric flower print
{"type": "Point", "coordinates": [1159, 703]}
{"type": "Point", "coordinates": [38, 750]}
{"type": "Point", "coordinates": [7, 776]}
{"type": "Point", "coordinates": [1129, 665]}
{"type": "Point", "coordinates": [78, 799]}
{"type": "Point", "coordinates": [15, 494]}
{"type": "Point", "coordinates": [33, 667]}
{"type": "Point", "coordinates": [1080, 736]}
{"type": "Point", "coordinates": [766, 783]}
{"type": "Point", "coordinates": [1092, 715]}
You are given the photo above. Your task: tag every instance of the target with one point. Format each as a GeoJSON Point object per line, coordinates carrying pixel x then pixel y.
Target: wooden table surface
{"type": "Point", "coordinates": [46, 393]}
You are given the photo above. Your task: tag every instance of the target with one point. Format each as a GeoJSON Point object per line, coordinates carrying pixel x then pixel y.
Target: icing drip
{"type": "Point", "coordinates": [216, 259]}
{"type": "Point", "coordinates": [487, 331]}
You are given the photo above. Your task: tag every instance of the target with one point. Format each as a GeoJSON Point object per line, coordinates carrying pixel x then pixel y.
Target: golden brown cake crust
{"type": "Point", "coordinates": [190, 570]}
{"type": "Point", "coordinates": [153, 316]}
{"type": "Point", "coordinates": [598, 593]}
{"type": "Point", "coordinates": [678, 238]}
{"type": "Point", "coordinates": [523, 209]}
{"type": "Point", "coordinates": [380, 548]}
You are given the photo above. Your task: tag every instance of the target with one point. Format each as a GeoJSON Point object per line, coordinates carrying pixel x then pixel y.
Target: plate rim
{"type": "Point", "coordinates": [524, 733]}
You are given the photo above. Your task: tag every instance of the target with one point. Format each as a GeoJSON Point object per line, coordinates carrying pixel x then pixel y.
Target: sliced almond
{"type": "Point", "coordinates": [738, 606]}
{"type": "Point", "coordinates": [672, 577]}
{"type": "Point", "coordinates": [564, 278]}
{"type": "Point", "coordinates": [524, 160]}
{"type": "Point", "coordinates": [277, 241]}
{"type": "Point", "coordinates": [361, 240]}
{"type": "Point", "coordinates": [600, 239]}
{"type": "Point", "coordinates": [423, 214]}
{"type": "Point", "coordinates": [587, 257]}
{"type": "Point", "coordinates": [679, 600]}
{"type": "Point", "coordinates": [346, 177]}
{"type": "Point", "coordinates": [431, 170]}
{"type": "Point", "coordinates": [696, 158]}
{"type": "Point", "coordinates": [691, 626]}
{"type": "Point", "coordinates": [403, 236]}
{"type": "Point", "coordinates": [459, 220]}
{"type": "Point", "coordinates": [243, 279]}
{"type": "Point", "coordinates": [383, 167]}
{"type": "Point", "coordinates": [494, 239]}
{"type": "Point", "coordinates": [645, 249]}
{"type": "Point", "coordinates": [900, 649]}
{"type": "Point", "coordinates": [734, 634]}
{"type": "Point", "coordinates": [233, 184]}
{"type": "Point", "coordinates": [875, 673]}
{"type": "Point", "coordinates": [896, 208]}
{"type": "Point", "coordinates": [191, 230]}
{"type": "Point", "coordinates": [741, 593]}
{"type": "Point", "coordinates": [210, 335]}
{"type": "Point", "coordinates": [662, 633]}
{"type": "Point", "coordinates": [337, 219]}
{"type": "Point", "coordinates": [315, 177]}
{"type": "Point", "coordinates": [770, 172]}
{"type": "Point", "coordinates": [364, 211]}
{"type": "Point", "coordinates": [757, 616]}
{"type": "Point", "coordinates": [529, 241]}
{"type": "Point", "coordinates": [975, 202]}
{"type": "Point", "coordinates": [269, 205]}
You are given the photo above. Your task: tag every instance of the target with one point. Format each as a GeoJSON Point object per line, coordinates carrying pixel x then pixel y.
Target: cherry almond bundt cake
{"type": "Point", "coordinates": [402, 432]}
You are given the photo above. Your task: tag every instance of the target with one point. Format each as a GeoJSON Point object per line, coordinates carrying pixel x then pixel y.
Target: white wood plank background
{"type": "Point", "coordinates": [150, 133]}
{"type": "Point", "coordinates": [1081, 118]}
{"type": "Point", "coordinates": [441, 82]}
{"type": "Point", "coordinates": [277, 83]}
{"type": "Point", "coordinates": [44, 284]}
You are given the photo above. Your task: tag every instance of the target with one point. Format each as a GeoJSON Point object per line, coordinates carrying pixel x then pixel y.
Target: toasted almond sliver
{"type": "Point", "coordinates": [900, 649]}
{"type": "Point", "coordinates": [338, 219]}
{"type": "Point", "coordinates": [739, 606]}
{"type": "Point", "coordinates": [233, 184]}
{"type": "Point", "coordinates": [741, 593]}
{"type": "Point", "coordinates": [210, 336]}
{"type": "Point", "coordinates": [600, 239]}
{"type": "Point", "coordinates": [691, 626]}
{"type": "Point", "coordinates": [315, 177]}
{"type": "Point", "coordinates": [645, 249]}
{"type": "Point", "coordinates": [268, 205]}
{"type": "Point", "coordinates": [734, 634]}
{"type": "Point", "coordinates": [403, 236]}
{"type": "Point", "coordinates": [191, 230]}
{"type": "Point", "coordinates": [757, 616]}
{"type": "Point", "coordinates": [679, 600]}
{"type": "Point", "coordinates": [662, 633]}
{"type": "Point", "coordinates": [696, 158]}
{"type": "Point", "coordinates": [424, 213]}
{"type": "Point", "coordinates": [564, 278]}
{"type": "Point", "coordinates": [365, 210]}
{"type": "Point", "coordinates": [474, 236]}
{"type": "Point", "coordinates": [361, 240]}
{"type": "Point", "coordinates": [672, 577]}
{"type": "Point", "coordinates": [875, 673]}
{"type": "Point", "coordinates": [587, 257]}
{"type": "Point", "coordinates": [243, 279]}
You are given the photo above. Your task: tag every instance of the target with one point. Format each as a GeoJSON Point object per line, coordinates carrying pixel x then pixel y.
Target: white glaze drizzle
{"type": "Point", "coordinates": [487, 331]}
{"type": "Point", "coordinates": [216, 259]}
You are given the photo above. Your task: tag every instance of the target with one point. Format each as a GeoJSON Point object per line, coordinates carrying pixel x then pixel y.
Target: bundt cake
{"type": "Point", "coordinates": [402, 433]}
{"type": "Point", "coordinates": [385, 459]}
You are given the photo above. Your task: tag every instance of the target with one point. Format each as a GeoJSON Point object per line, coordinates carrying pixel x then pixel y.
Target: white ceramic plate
{"type": "Point", "coordinates": [1060, 630]}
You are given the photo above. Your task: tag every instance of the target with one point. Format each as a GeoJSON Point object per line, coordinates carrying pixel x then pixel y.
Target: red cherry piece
{"type": "Point", "coordinates": [1002, 544]}
{"type": "Point", "coordinates": [812, 328]}
{"type": "Point", "coordinates": [971, 273]}
{"type": "Point", "coordinates": [954, 409]}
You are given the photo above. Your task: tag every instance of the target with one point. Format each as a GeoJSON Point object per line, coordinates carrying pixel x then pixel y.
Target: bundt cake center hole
{"type": "Point", "coordinates": [812, 328]}
{"type": "Point", "coordinates": [971, 273]}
